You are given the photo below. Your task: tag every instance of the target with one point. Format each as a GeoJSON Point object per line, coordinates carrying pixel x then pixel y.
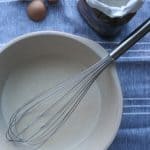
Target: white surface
{"type": "Point", "coordinates": [115, 8]}
{"type": "Point", "coordinates": [53, 58]}
{"type": "Point", "coordinates": [30, 79]}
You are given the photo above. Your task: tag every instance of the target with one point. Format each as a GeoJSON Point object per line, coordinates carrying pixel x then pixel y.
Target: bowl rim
{"type": "Point", "coordinates": [89, 43]}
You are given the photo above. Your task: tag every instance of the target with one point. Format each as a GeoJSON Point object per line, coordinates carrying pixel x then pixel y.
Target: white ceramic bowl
{"type": "Point", "coordinates": [36, 61]}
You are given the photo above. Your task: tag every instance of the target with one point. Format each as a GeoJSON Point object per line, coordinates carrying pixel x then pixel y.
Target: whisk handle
{"type": "Point", "coordinates": [136, 35]}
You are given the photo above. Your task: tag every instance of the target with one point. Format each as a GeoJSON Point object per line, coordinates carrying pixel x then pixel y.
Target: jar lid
{"type": "Point", "coordinates": [113, 8]}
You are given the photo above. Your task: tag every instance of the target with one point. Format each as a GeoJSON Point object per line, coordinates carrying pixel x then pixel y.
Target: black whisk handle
{"type": "Point", "coordinates": [136, 35]}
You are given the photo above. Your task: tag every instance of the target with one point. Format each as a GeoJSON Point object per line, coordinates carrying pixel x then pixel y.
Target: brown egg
{"type": "Point", "coordinates": [37, 10]}
{"type": "Point", "coordinates": [52, 1]}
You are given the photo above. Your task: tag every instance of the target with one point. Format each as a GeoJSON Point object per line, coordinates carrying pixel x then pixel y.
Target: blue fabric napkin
{"type": "Point", "coordinates": [133, 67]}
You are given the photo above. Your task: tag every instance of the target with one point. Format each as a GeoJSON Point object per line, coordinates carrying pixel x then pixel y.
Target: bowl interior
{"type": "Point", "coordinates": [40, 61]}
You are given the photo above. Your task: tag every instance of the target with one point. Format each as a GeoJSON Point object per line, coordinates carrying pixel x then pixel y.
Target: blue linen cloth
{"type": "Point", "coordinates": [133, 67]}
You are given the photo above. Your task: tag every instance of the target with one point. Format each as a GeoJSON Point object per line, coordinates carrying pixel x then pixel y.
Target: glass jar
{"type": "Point", "coordinates": [104, 23]}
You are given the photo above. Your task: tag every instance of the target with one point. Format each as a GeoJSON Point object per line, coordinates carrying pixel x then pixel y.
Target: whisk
{"type": "Point", "coordinates": [41, 117]}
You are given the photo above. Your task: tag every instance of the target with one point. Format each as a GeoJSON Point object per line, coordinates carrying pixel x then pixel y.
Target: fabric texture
{"type": "Point", "coordinates": [133, 67]}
